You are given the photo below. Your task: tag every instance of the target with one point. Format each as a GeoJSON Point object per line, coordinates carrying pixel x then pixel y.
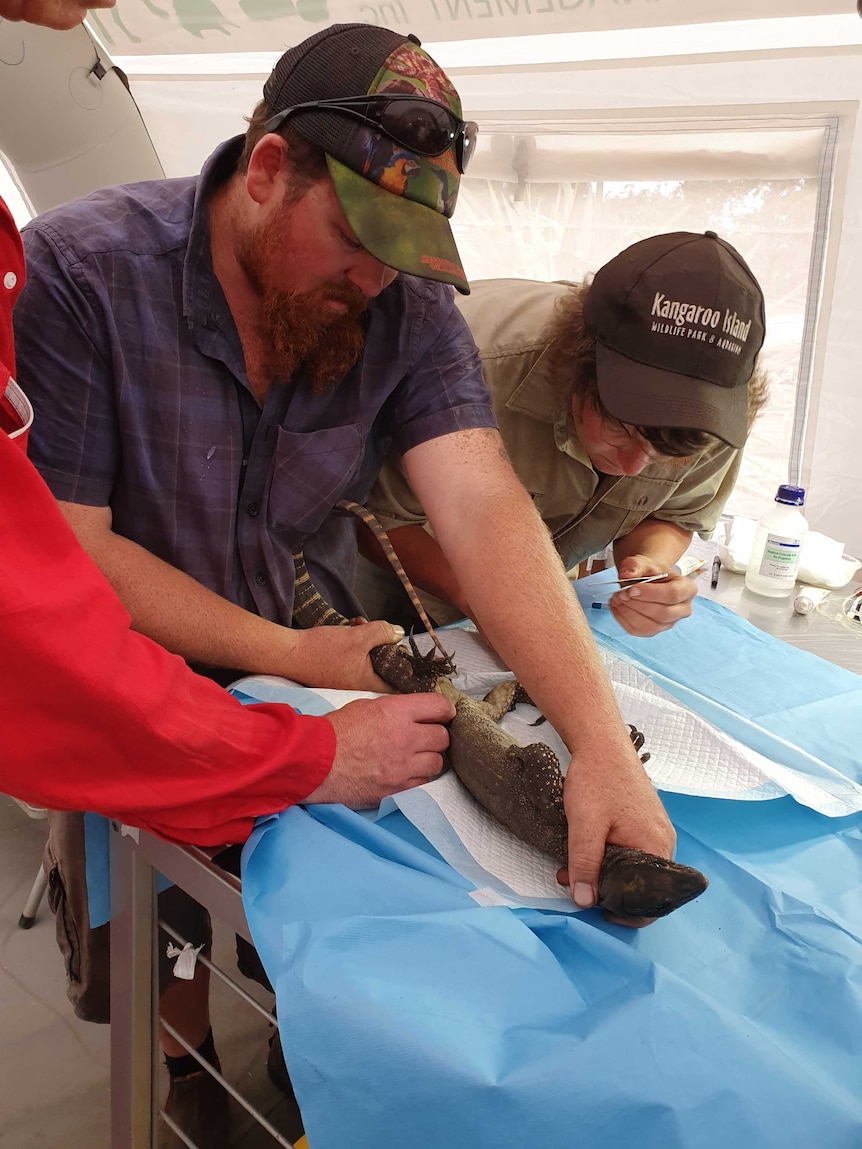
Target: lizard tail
{"type": "Point", "coordinates": [309, 608]}
{"type": "Point", "coordinates": [389, 551]}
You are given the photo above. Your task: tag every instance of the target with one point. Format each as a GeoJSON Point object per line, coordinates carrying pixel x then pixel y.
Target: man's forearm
{"type": "Point", "coordinates": [663, 542]}
{"type": "Point", "coordinates": [502, 554]}
{"type": "Point", "coordinates": [184, 616]}
{"type": "Point", "coordinates": [191, 621]}
{"type": "Point", "coordinates": [520, 600]}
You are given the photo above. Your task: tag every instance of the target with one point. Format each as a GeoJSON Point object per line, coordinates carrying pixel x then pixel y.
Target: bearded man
{"type": "Point", "coordinates": [217, 361]}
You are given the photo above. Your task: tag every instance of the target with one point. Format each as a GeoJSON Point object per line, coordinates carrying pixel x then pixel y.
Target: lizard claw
{"type": "Point", "coordinates": [444, 665]}
{"type": "Point", "coordinates": [410, 673]}
{"type": "Point", "coordinates": [638, 740]}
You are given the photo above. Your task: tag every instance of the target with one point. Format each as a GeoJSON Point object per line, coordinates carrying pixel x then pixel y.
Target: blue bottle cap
{"type": "Point", "coordinates": [793, 496]}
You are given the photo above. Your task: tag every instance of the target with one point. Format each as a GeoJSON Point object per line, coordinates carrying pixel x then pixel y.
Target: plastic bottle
{"type": "Point", "coordinates": [777, 545]}
{"type": "Point", "coordinates": [689, 565]}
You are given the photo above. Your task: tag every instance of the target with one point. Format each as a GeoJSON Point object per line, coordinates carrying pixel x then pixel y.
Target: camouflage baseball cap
{"type": "Point", "coordinates": [397, 201]}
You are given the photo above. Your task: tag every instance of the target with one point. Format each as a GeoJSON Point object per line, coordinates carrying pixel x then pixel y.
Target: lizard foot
{"type": "Point", "coordinates": [410, 672]}
{"type": "Point", "coordinates": [638, 741]}
{"type": "Point", "coordinates": [505, 697]}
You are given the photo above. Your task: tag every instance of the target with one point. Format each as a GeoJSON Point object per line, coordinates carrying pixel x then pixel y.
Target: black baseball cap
{"type": "Point", "coordinates": [678, 321]}
{"type": "Point", "coordinates": [397, 202]}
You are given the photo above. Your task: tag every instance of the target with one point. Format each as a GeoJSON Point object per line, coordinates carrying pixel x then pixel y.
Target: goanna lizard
{"type": "Point", "coordinates": [521, 786]}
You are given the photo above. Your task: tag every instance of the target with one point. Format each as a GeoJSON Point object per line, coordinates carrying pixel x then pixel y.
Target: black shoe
{"type": "Point", "coordinates": [290, 1119]}
{"type": "Point", "coordinates": [199, 1106]}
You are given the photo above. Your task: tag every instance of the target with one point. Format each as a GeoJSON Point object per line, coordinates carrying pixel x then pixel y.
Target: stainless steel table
{"type": "Point", "coordinates": [136, 857]}
{"type": "Point", "coordinates": [815, 632]}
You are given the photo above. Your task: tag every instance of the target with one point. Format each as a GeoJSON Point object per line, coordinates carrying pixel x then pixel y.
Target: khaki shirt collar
{"type": "Point", "coordinates": [537, 397]}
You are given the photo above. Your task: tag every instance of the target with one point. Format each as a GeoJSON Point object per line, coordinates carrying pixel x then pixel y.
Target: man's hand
{"type": "Point", "coordinates": [337, 656]}
{"type": "Point", "coordinates": [383, 745]}
{"type": "Point", "coordinates": [655, 606]}
{"type": "Point", "coordinates": [609, 798]}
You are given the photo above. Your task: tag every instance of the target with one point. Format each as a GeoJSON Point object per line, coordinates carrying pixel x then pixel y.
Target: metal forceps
{"type": "Point", "coordinates": [624, 583]}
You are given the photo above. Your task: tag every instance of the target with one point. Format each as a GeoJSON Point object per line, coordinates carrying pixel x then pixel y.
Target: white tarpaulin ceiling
{"type": "Point", "coordinates": [182, 26]}
{"type": "Point", "coordinates": [600, 125]}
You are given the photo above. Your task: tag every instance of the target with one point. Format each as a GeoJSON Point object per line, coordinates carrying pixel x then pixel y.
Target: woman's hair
{"type": "Point", "coordinates": [571, 363]}
{"type": "Point", "coordinates": [307, 159]}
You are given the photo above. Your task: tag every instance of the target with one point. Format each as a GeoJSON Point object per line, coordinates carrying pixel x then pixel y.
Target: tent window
{"type": "Point", "coordinates": [548, 201]}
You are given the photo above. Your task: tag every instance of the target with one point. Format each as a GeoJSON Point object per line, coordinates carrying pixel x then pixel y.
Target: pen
{"type": "Point", "coordinates": [716, 567]}
{"type": "Point", "coordinates": [601, 606]}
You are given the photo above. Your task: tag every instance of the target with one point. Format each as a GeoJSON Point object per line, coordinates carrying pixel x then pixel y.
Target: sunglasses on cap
{"type": "Point", "coordinates": [420, 125]}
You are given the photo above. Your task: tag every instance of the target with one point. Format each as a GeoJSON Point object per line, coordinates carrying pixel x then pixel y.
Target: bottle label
{"type": "Point", "coordinates": [780, 557]}
{"type": "Point", "coordinates": [689, 565]}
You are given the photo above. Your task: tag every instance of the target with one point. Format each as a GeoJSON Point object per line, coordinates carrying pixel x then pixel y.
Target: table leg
{"type": "Point", "coordinates": [134, 997]}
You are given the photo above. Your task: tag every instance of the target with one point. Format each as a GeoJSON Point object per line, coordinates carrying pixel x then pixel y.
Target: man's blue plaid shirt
{"type": "Point", "coordinates": [129, 353]}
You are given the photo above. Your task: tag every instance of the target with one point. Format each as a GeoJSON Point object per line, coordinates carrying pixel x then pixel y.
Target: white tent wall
{"type": "Point", "coordinates": [188, 115]}
{"type": "Point", "coordinates": [190, 103]}
{"type": "Point", "coordinates": [68, 122]}
{"type": "Point", "coordinates": [831, 81]}
{"type": "Point", "coordinates": [141, 28]}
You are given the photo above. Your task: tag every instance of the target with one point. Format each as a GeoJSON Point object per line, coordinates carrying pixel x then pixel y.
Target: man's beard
{"type": "Point", "coordinates": [297, 328]}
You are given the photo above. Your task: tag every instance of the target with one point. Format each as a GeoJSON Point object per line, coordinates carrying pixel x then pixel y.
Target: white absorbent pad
{"type": "Point", "coordinates": [688, 755]}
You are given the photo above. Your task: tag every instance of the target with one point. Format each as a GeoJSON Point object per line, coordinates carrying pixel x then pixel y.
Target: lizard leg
{"type": "Point", "coordinates": [505, 697]}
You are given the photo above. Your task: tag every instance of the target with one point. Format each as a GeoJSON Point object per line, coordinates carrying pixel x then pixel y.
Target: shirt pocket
{"type": "Point", "coordinates": [578, 540]}
{"type": "Point", "coordinates": [311, 470]}
{"type": "Point", "coordinates": [636, 498]}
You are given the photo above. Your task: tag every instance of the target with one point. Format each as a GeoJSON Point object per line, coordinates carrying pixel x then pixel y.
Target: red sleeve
{"type": "Point", "coordinates": [94, 716]}
{"type": "Point", "coordinates": [11, 282]}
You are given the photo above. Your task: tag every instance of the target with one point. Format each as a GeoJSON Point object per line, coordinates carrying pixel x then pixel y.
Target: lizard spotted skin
{"type": "Point", "coordinates": [521, 786]}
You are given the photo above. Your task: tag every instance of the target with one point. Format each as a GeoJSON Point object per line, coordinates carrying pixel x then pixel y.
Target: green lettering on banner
{"type": "Point", "coordinates": [389, 14]}
{"type": "Point", "coordinates": [386, 15]}
{"type": "Point", "coordinates": [454, 8]}
{"type": "Point", "coordinates": [512, 6]}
